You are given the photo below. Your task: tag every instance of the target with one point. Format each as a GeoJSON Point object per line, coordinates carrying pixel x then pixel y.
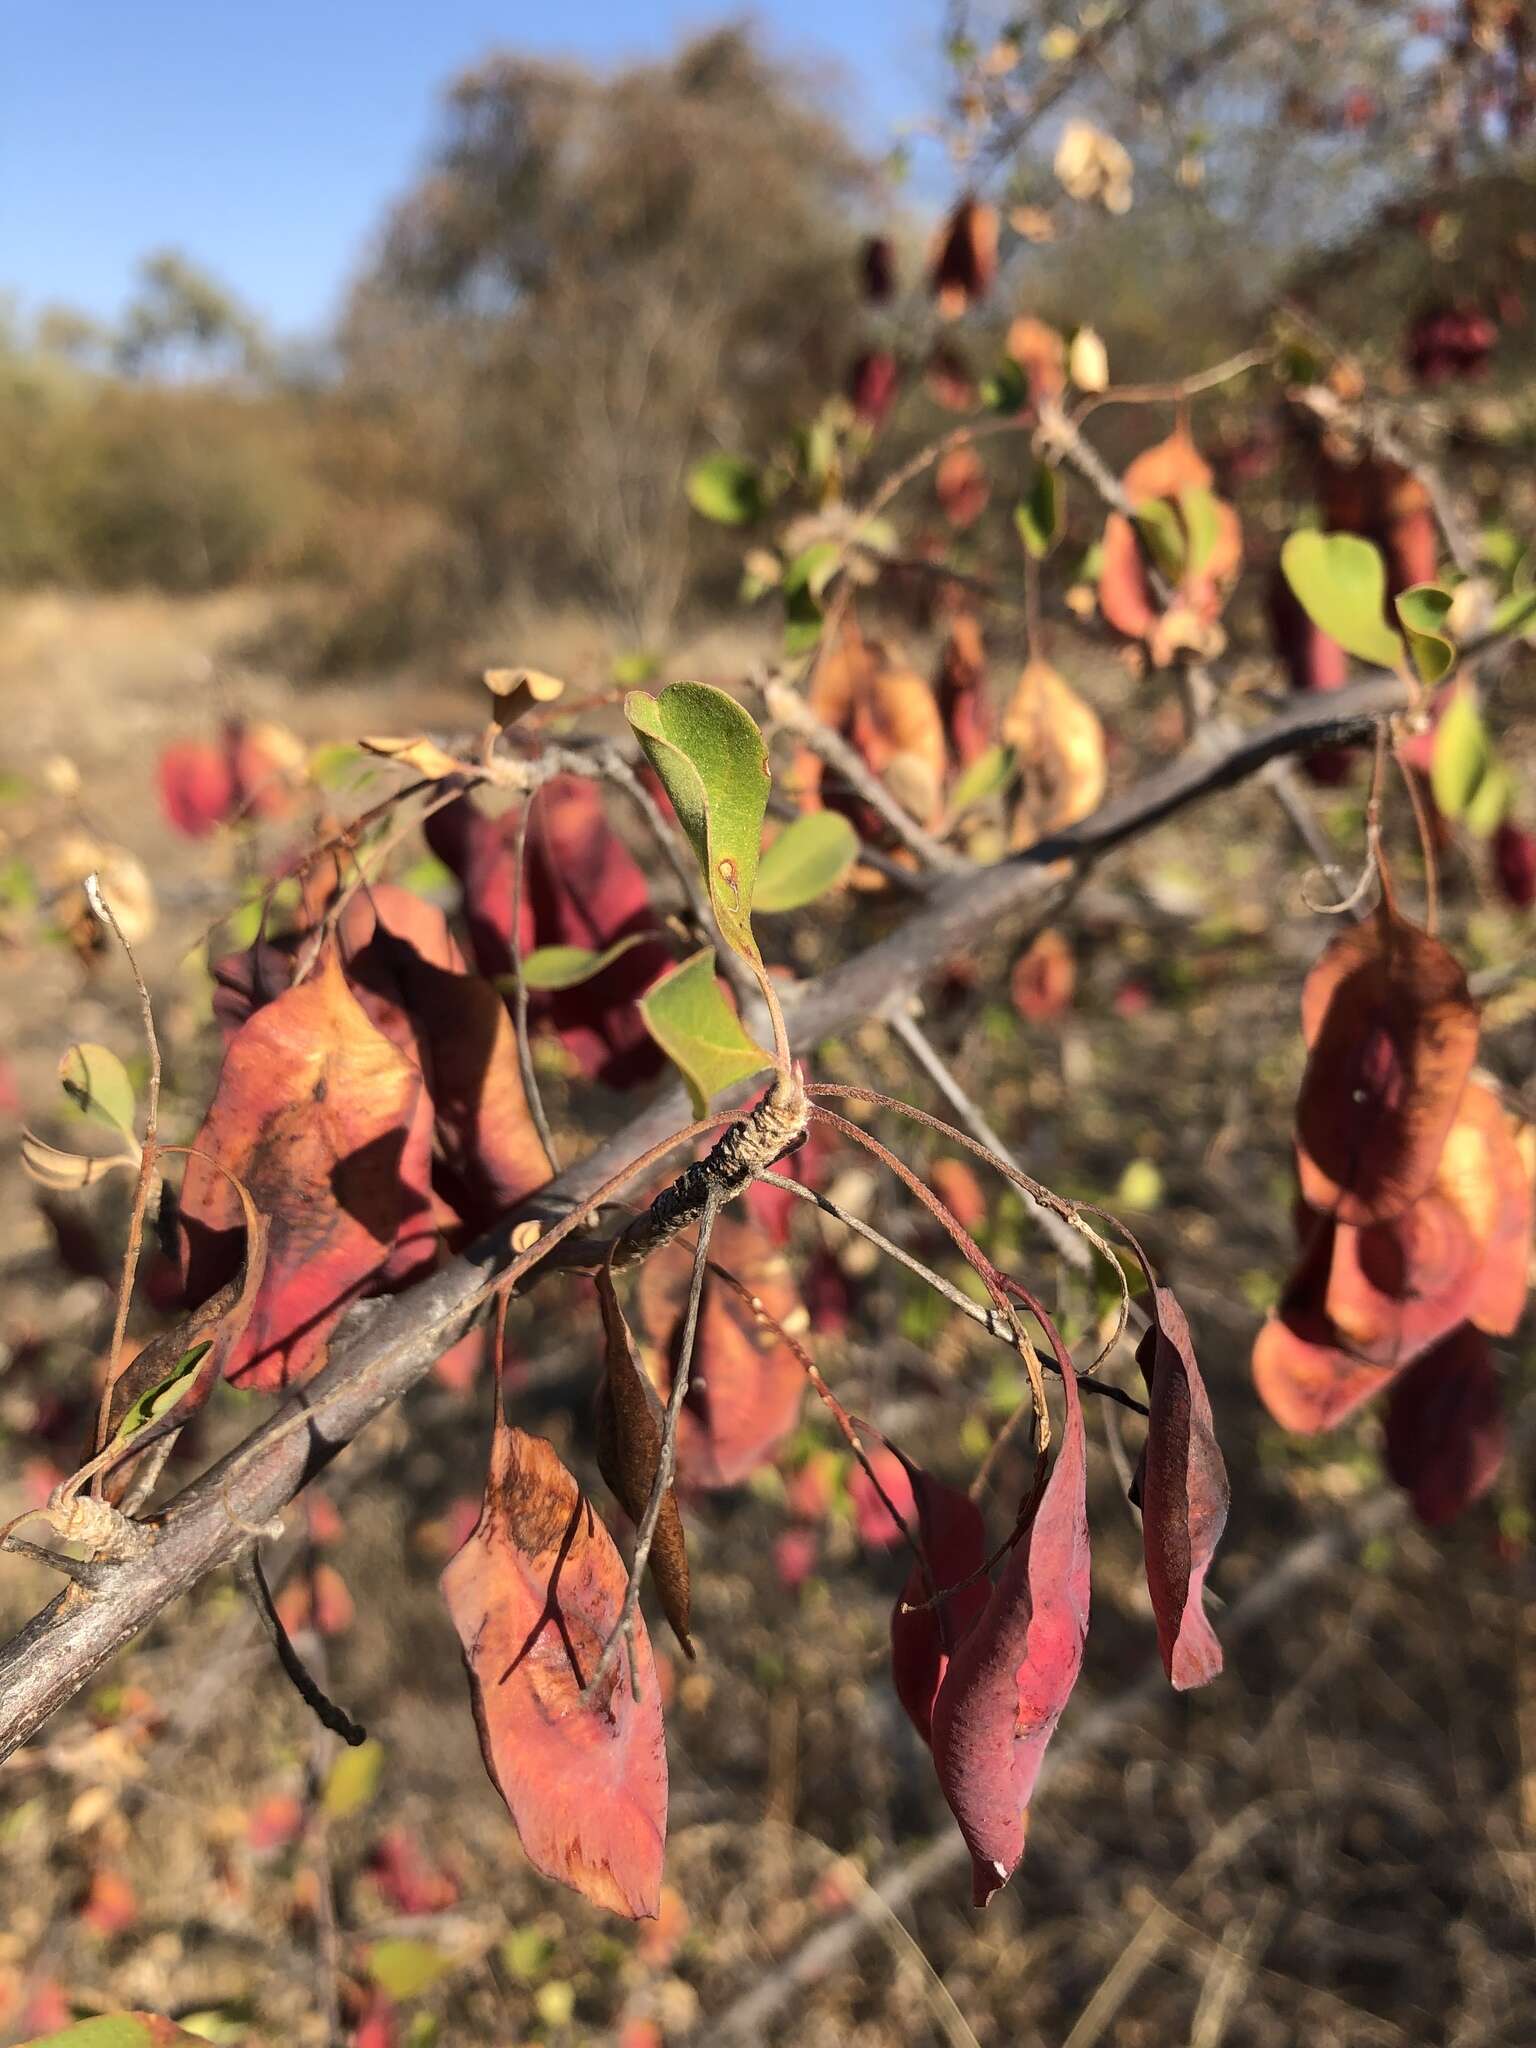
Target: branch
{"type": "Point", "coordinates": [384, 1347]}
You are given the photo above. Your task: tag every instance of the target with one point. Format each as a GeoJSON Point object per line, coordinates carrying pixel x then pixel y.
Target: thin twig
{"type": "Point", "coordinates": [531, 1089]}
{"type": "Point", "coordinates": [1064, 1238]}
{"type": "Point", "coordinates": [326, 1712]}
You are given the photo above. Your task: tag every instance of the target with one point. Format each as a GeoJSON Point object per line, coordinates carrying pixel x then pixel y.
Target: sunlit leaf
{"type": "Point", "coordinates": [534, 1594]}
{"type": "Point", "coordinates": [809, 857]}
{"type": "Point", "coordinates": [423, 756]}
{"type": "Point", "coordinates": [1469, 781]}
{"type": "Point", "coordinates": [403, 1968]}
{"type": "Point", "coordinates": [67, 1172]}
{"type": "Point", "coordinates": [1340, 582]}
{"type": "Point", "coordinates": [987, 776]}
{"type": "Point", "coordinates": [726, 489]}
{"type": "Point", "coordinates": [353, 1780]}
{"type": "Point", "coordinates": [548, 968]}
{"type": "Point", "coordinates": [1422, 612]}
{"type": "Point", "coordinates": [1038, 514]}
{"type": "Point", "coordinates": [118, 2030]}
{"type": "Point", "coordinates": [97, 1083]}
{"type": "Point", "coordinates": [686, 1012]}
{"type": "Point", "coordinates": [155, 1400]}
{"type": "Point", "coordinates": [714, 766]}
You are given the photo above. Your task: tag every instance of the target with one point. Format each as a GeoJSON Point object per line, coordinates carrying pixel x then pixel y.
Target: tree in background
{"type": "Point", "coordinates": [595, 280]}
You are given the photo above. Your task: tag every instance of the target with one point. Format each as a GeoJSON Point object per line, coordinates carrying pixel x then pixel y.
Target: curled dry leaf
{"type": "Point", "coordinates": [1182, 1483]}
{"type": "Point", "coordinates": [1444, 1427]}
{"type": "Point", "coordinates": [1058, 744]}
{"type": "Point", "coordinates": [1013, 1673]}
{"type": "Point", "coordinates": [534, 1595]}
{"type": "Point", "coordinates": [746, 1385]}
{"type": "Point", "coordinates": [1391, 1033]}
{"type": "Point", "coordinates": [1044, 978]}
{"type": "Point", "coordinates": [964, 259]}
{"type": "Point", "coordinates": [630, 1424]}
{"type": "Point", "coordinates": [312, 1114]}
{"type": "Point", "coordinates": [924, 1637]}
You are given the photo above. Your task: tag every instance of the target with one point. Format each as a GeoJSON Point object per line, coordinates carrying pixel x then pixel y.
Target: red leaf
{"type": "Point", "coordinates": [1125, 591]}
{"type": "Point", "coordinates": [873, 383]}
{"type": "Point", "coordinates": [1012, 1675]}
{"type": "Point", "coordinates": [534, 1594]}
{"type": "Point", "coordinates": [923, 1639]}
{"type": "Point", "coordinates": [197, 787]}
{"type": "Point", "coordinates": [1445, 1431]}
{"type": "Point", "coordinates": [961, 691]}
{"type": "Point", "coordinates": [1184, 1495]}
{"type": "Point", "coordinates": [312, 1113]}
{"type": "Point", "coordinates": [1044, 978]}
{"type": "Point", "coordinates": [409, 1880]}
{"type": "Point", "coordinates": [962, 487]}
{"type": "Point", "coordinates": [794, 1557]}
{"type": "Point", "coordinates": [872, 1518]}
{"type": "Point", "coordinates": [1514, 863]}
{"type": "Point", "coordinates": [746, 1386]}
{"type": "Point", "coordinates": [1392, 1034]}
{"type": "Point", "coordinates": [111, 1905]}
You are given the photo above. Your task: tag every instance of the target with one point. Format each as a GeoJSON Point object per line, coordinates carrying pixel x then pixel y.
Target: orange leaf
{"type": "Point", "coordinates": [964, 257]}
{"type": "Point", "coordinates": [1058, 743]}
{"type": "Point", "coordinates": [1392, 1034]}
{"type": "Point", "coordinates": [534, 1594]}
{"type": "Point", "coordinates": [312, 1112]}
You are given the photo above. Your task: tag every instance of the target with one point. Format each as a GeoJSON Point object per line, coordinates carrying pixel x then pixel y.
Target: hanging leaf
{"type": "Point", "coordinates": [629, 1434]}
{"type": "Point", "coordinates": [1340, 582]}
{"type": "Point", "coordinates": [197, 787]}
{"type": "Point", "coordinates": [97, 1083]}
{"type": "Point", "coordinates": [549, 968]}
{"type": "Point", "coordinates": [312, 1114]}
{"type": "Point", "coordinates": [1011, 1676]}
{"type": "Point", "coordinates": [924, 1638]}
{"type": "Point", "coordinates": [1200, 511]}
{"type": "Point", "coordinates": [1422, 612]}
{"type": "Point", "coordinates": [1467, 778]}
{"type": "Point", "coordinates": [726, 489]}
{"type": "Point", "coordinates": [1183, 1491]}
{"type": "Point", "coordinates": [747, 1387]}
{"type": "Point", "coordinates": [809, 857]}
{"type": "Point", "coordinates": [714, 766]}
{"type": "Point", "coordinates": [687, 1014]}
{"type": "Point", "coordinates": [1058, 750]}
{"type": "Point", "coordinates": [1391, 1033]}
{"type": "Point", "coordinates": [964, 260]}
{"type": "Point", "coordinates": [1038, 514]}
{"type": "Point", "coordinates": [1445, 1432]}
{"type": "Point", "coordinates": [534, 1595]}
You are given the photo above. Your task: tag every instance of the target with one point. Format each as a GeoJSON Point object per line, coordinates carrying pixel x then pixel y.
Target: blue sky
{"type": "Point", "coordinates": [264, 138]}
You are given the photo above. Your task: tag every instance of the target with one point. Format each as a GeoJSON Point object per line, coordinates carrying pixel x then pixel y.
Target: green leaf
{"type": "Point", "coordinates": [1514, 614]}
{"type": "Point", "coordinates": [1038, 514]}
{"type": "Point", "coordinates": [813, 568]}
{"type": "Point", "coordinates": [404, 1968]}
{"type": "Point", "coordinates": [1469, 781]}
{"type": "Point", "coordinates": [725, 488]}
{"type": "Point", "coordinates": [1202, 524]}
{"type": "Point", "coordinates": [688, 1016]}
{"type": "Point", "coordinates": [631, 670]}
{"type": "Point", "coordinates": [155, 1400]}
{"type": "Point", "coordinates": [1422, 611]}
{"type": "Point", "coordinates": [1006, 389]}
{"type": "Point", "coordinates": [803, 622]}
{"type": "Point", "coordinates": [1163, 533]}
{"type": "Point", "coordinates": [1341, 584]}
{"type": "Point", "coordinates": [353, 1780]}
{"type": "Point", "coordinates": [97, 1083]}
{"type": "Point", "coordinates": [549, 968]}
{"type": "Point", "coordinates": [714, 766]}
{"type": "Point", "coordinates": [988, 775]}
{"type": "Point", "coordinates": [808, 858]}
{"type": "Point", "coordinates": [117, 2030]}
